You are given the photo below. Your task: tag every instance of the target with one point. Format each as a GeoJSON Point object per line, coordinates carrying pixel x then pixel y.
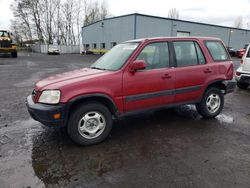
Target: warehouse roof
{"type": "Point", "coordinates": [158, 17]}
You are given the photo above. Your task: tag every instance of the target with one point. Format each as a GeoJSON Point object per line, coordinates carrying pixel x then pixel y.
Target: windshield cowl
{"type": "Point", "coordinates": [92, 67]}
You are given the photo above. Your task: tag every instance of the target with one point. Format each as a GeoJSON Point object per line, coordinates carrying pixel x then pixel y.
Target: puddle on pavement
{"type": "Point", "coordinates": [134, 141]}
{"type": "Point", "coordinates": [47, 157]}
{"type": "Point", "coordinates": [188, 111]}
{"type": "Point", "coordinates": [223, 118]}
{"type": "Point", "coordinates": [15, 149]}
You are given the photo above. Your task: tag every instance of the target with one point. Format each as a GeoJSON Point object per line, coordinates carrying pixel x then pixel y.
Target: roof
{"type": "Point", "coordinates": [164, 18]}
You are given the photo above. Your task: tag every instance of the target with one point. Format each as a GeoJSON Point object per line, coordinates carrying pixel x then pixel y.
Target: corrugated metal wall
{"type": "Point", "coordinates": [107, 31]}
{"type": "Point", "coordinates": [123, 28]}
{"type": "Point", "coordinates": [43, 48]}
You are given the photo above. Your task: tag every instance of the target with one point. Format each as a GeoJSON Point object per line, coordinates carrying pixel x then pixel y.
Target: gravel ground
{"type": "Point", "coordinates": [167, 148]}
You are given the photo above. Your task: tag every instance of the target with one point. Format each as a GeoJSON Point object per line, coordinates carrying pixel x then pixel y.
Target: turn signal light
{"type": "Point", "coordinates": [57, 116]}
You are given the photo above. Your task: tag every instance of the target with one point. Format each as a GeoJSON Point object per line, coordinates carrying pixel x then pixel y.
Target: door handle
{"type": "Point", "coordinates": [166, 76]}
{"type": "Point", "coordinates": [207, 71]}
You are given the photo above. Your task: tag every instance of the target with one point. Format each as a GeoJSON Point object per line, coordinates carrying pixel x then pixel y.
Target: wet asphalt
{"type": "Point", "coordinates": [167, 148]}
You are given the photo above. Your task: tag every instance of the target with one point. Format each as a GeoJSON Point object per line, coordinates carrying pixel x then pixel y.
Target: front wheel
{"type": "Point", "coordinates": [14, 54]}
{"type": "Point", "coordinates": [89, 123]}
{"type": "Point", "coordinates": [211, 103]}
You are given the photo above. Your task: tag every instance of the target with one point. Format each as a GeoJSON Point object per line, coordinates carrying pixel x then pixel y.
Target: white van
{"type": "Point", "coordinates": [242, 75]}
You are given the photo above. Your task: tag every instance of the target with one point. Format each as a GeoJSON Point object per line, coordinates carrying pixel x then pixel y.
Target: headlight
{"type": "Point", "coordinates": [50, 97]}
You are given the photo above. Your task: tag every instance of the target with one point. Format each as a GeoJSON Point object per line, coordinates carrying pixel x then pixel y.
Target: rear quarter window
{"type": "Point", "coordinates": [217, 50]}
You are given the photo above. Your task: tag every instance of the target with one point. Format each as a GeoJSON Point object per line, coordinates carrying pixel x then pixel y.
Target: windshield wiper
{"type": "Point", "coordinates": [98, 68]}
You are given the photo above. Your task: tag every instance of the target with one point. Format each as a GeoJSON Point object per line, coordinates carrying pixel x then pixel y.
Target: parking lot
{"type": "Point", "coordinates": [167, 148]}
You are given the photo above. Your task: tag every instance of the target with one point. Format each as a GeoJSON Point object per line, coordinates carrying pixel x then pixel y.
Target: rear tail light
{"type": "Point", "coordinates": [241, 61]}
{"type": "Point", "coordinates": [237, 74]}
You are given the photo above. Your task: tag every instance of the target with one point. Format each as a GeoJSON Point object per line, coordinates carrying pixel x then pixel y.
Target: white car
{"type": "Point", "coordinates": [53, 51]}
{"type": "Point", "coordinates": [242, 75]}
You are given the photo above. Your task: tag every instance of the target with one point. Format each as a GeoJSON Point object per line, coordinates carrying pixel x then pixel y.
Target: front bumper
{"type": "Point", "coordinates": [44, 113]}
{"type": "Point", "coordinates": [230, 86]}
{"type": "Point", "coordinates": [53, 52]}
{"type": "Point", "coordinates": [6, 50]}
{"type": "Point", "coordinates": [243, 77]}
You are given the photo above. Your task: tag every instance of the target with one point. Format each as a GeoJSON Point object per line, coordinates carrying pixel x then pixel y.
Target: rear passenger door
{"type": "Point", "coordinates": [191, 71]}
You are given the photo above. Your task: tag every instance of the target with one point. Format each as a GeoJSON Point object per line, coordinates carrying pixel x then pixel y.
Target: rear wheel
{"type": "Point", "coordinates": [211, 103]}
{"type": "Point", "coordinates": [242, 85]}
{"type": "Point", "coordinates": [90, 123]}
{"type": "Point", "coordinates": [14, 54]}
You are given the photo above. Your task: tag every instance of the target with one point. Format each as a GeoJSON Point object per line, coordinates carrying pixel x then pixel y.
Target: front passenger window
{"type": "Point", "coordinates": [155, 55]}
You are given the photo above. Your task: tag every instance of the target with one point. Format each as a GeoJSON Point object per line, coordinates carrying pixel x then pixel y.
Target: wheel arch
{"type": "Point", "coordinates": [218, 83]}
{"type": "Point", "coordinates": [100, 98]}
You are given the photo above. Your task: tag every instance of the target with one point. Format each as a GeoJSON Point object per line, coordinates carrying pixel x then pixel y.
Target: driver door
{"type": "Point", "coordinates": [154, 86]}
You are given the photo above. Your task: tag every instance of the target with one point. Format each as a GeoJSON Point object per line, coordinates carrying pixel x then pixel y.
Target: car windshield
{"type": "Point", "coordinates": [116, 57]}
{"type": "Point", "coordinates": [4, 34]}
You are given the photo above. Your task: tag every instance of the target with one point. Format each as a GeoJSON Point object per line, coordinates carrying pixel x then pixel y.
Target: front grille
{"type": "Point", "coordinates": [5, 44]}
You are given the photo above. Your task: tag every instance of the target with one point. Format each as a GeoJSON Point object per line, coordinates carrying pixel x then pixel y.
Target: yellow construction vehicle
{"type": "Point", "coordinates": [6, 43]}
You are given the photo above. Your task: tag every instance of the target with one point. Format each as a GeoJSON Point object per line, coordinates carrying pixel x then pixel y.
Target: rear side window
{"type": "Point", "coordinates": [217, 50]}
{"type": "Point", "coordinates": [188, 53]}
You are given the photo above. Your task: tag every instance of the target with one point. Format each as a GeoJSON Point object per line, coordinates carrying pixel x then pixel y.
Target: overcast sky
{"type": "Point", "coordinates": [220, 12]}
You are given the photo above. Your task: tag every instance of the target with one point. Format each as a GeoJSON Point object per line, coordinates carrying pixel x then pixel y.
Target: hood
{"type": "Point", "coordinates": [68, 77]}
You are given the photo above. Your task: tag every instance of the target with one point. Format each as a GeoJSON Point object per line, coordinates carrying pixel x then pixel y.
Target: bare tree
{"type": "Point", "coordinates": [21, 13]}
{"type": "Point", "coordinates": [17, 32]}
{"type": "Point", "coordinates": [35, 8]}
{"type": "Point", "coordinates": [55, 21]}
{"type": "Point", "coordinates": [103, 10]}
{"type": "Point", "coordinates": [173, 13]}
{"type": "Point", "coordinates": [95, 11]}
{"type": "Point", "coordinates": [238, 23]}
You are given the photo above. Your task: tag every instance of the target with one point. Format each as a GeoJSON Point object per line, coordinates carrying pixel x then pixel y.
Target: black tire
{"type": "Point", "coordinates": [14, 54]}
{"type": "Point", "coordinates": [75, 121]}
{"type": "Point", "coordinates": [242, 85]}
{"type": "Point", "coordinates": [204, 109]}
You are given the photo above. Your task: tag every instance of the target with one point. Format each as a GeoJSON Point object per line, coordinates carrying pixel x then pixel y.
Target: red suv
{"type": "Point", "coordinates": [135, 76]}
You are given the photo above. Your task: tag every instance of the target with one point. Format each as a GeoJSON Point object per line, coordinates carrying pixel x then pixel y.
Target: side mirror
{"type": "Point", "coordinates": [137, 65]}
